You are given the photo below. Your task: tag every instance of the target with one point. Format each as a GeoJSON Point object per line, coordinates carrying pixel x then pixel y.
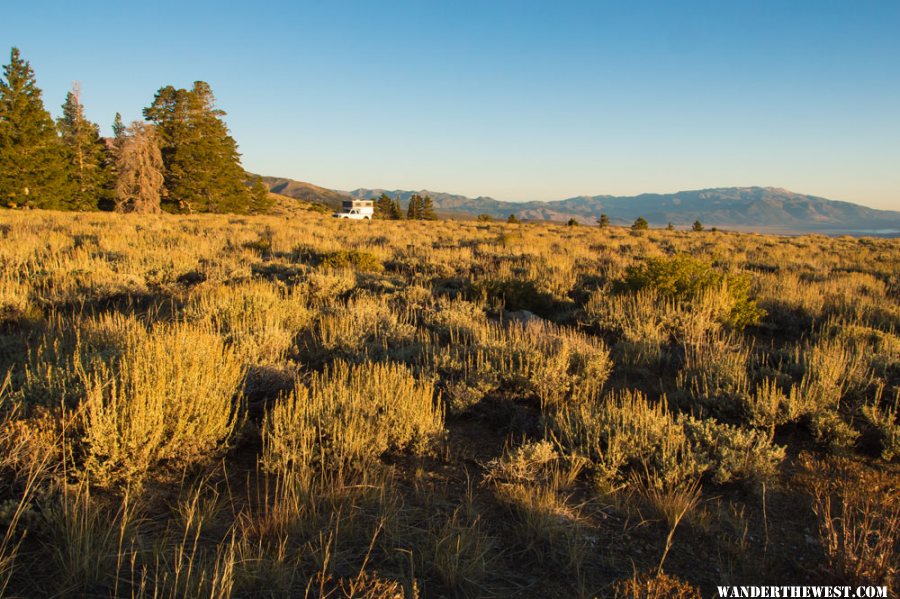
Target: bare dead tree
{"type": "Point", "coordinates": [140, 170]}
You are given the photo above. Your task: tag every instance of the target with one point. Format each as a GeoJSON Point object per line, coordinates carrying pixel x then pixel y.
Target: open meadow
{"type": "Point", "coordinates": [295, 405]}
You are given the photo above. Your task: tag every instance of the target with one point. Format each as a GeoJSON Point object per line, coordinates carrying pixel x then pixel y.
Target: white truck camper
{"type": "Point", "coordinates": [357, 210]}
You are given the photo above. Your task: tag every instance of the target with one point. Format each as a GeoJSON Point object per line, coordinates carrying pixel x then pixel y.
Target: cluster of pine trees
{"type": "Point", "coordinates": [182, 159]}
{"type": "Point", "coordinates": [388, 209]}
{"type": "Point", "coordinates": [419, 208]}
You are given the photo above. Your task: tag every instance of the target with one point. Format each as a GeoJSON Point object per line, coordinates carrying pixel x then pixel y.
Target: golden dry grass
{"type": "Point", "coordinates": [293, 405]}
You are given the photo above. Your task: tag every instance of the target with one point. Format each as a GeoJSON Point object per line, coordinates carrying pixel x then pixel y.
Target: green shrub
{"type": "Point", "coordinates": [356, 259]}
{"type": "Point", "coordinates": [463, 394]}
{"type": "Point", "coordinates": [832, 431]}
{"type": "Point", "coordinates": [732, 453]}
{"type": "Point", "coordinates": [686, 279]}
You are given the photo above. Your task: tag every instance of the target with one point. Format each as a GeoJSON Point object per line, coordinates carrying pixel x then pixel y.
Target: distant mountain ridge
{"type": "Point", "coordinates": [745, 207]}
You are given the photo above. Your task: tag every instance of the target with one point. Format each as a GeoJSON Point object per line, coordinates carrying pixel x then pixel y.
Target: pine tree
{"type": "Point", "coordinates": [640, 224]}
{"type": "Point", "coordinates": [384, 207]}
{"type": "Point", "coordinates": [33, 169]}
{"type": "Point", "coordinates": [414, 210]}
{"type": "Point", "coordinates": [118, 139]}
{"type": "Point", "coordinates": [87, 155]}
{"type": "Point", "coordinates": [260, 200]}
{"type": "Point", "coordinates": [698, 226]}
{"type": "Point", "coordinates": [670, 227]}
{"type": "Point", "coordinates": [427, 209]}
{"type": "Point", "coordinates": [512, 219]}
{"type": "Point", "coordinates": [114, 151]}
{"type": "Point", "coordinates": [603, 221]}
{"type": "Point", "coordinates": [202, 165]}
{"type": "Point", "coordinates": [396, 209]}
{"type": "Point", "coordinates": [139, 166]}
{"type": "Point", "coordinates": [118, 126]}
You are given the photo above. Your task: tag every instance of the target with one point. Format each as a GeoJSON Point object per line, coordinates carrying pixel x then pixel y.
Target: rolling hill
{"type": "Point", "coordinates": [304, 191]}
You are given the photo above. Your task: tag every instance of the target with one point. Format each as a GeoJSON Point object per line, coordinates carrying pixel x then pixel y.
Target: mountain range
{"type": "Point", "coordinates": [764, 208]}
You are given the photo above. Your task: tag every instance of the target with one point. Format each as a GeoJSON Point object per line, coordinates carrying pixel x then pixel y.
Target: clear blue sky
{"type": "Point", "coordinates": [517, 100]}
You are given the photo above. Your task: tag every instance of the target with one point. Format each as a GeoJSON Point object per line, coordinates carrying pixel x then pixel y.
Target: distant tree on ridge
{"type": "Point", "coordinates": [427, 209]}
{"type": "Point", "coordinates": [414, 210]}
{"type": "Point", "coordinates": [640, 224]}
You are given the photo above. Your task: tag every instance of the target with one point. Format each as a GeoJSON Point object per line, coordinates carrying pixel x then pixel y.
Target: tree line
{"type": "Point", "coordinates": [180, 159]}
{"type": "Point", "coordinates": [641, 224]}
{"type": "Point", "coordinates": [420, 208]}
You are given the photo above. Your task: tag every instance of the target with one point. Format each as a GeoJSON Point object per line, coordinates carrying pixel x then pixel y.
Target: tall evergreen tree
{"type": "Point", "coordinates": [118, 139]}
{"type": "Point", "coordinates": [33, 168]}
{"type": "Point", "coordinates": [202, 165]}
{"type": "Point", "coordinates": [115, 147]}
{"type": "Point", "coordinates": [384, 207]}
{"type": "Point", "coordinates": [603, 221]}
{"type": "Point", "coordinates": [118, 126]}
{"type": "Point", "coordinates": [87, 154]}
{"type": "Point", "coordinates": [396, 209]}
{"type": "Point", "coordinates": [427, 207]}
{"type": "Point", "coordinates": [414, 210]}
{"type": "Point", "coordinates": [260, 200]}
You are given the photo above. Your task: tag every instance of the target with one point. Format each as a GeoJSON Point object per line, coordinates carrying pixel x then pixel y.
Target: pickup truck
{"type": "Point", "coordinates": [356, 210]}
{"type": "Point", "coordinates": [353, 214]}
